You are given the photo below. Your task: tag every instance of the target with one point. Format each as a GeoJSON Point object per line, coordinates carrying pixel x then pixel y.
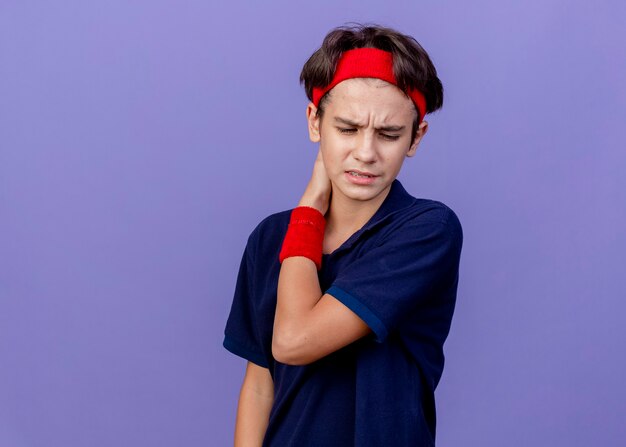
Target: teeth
{"type": "Point", "coordinates": [359, 175]}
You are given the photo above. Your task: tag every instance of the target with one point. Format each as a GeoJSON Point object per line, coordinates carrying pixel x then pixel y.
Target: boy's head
{"type": "Point", "coordinates": [371, 86]}
{"type": "Point", "coordinates": [412, 67]}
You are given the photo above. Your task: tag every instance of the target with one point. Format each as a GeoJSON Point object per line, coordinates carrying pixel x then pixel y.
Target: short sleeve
{"type": "Point", "coordinates": [241, 334]}
{"type": "Point", "coordinates": [402, 272]}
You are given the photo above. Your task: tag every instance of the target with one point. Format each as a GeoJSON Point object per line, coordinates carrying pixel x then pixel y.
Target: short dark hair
{"type": "Point", "coordinates": [412, 66]}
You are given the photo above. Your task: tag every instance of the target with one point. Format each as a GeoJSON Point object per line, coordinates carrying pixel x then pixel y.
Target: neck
{"type": "Point", "coordinates": [346, 216]}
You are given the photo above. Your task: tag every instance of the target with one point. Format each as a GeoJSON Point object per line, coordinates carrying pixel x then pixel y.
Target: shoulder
{"type": "Point", "coordinates": [273, 223]}
{"type": "Point", "coordinates": [268, 231]}
{"type": "Point", "coordinates": [438, 211]}
{"type": "Point", "coordinates": [425, 214]}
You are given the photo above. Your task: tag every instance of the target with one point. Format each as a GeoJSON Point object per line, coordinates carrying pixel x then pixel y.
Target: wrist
{"type": "Point", "coordinates": [319, 203]}
{"type": "Point", "coordinates": [305, 235]}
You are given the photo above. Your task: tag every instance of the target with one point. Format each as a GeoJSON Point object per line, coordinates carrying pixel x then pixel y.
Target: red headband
{"type": "Point", "coordinates": [368, 63]}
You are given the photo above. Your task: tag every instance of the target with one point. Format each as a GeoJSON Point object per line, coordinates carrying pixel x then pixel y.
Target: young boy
{"type": "Point", "coordinates": [343, 303]}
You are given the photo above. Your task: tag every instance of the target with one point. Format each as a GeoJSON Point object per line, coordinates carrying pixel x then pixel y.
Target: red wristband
{"type": "Point", "coordinates": [305, 235]}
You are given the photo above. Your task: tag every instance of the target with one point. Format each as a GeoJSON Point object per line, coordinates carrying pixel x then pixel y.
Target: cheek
{"type": "Point", "coordinates": [326, 157]}
{"type": "Point", "coordinates": [392, 160]}
{"type": "Point", "coordinates": [399, 160]}
{"type": "Point", "coordinates": [331, 152]}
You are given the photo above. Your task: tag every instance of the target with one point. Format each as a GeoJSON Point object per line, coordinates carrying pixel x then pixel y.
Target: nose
{"type": "Point", "coordinates": [365, 149]}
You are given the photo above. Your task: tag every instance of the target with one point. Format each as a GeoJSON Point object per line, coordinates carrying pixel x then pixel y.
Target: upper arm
{"type": "Point", "coordinates": [259, 380]}
{"type": "Point", "coordinates": [329, 326]}
{"type": "Point", "coordinates": [241, 333]}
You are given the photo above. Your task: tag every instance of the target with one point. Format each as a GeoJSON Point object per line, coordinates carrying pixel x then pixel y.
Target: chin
{"type": "Point", "coordinates": [360, 193]}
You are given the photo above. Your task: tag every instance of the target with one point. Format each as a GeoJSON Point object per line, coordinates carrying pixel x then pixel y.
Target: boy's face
{"type": "Point", "coordinates": [366, 126]}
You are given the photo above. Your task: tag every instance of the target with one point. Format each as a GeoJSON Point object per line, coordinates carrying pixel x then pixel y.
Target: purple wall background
{"type": "Point", "coordinates": [141, 142]}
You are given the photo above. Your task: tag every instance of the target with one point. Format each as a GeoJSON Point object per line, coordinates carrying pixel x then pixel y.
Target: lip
{"type": "Point", "coordinates": [359, 180]}
{"type": "Point", "coordinates": [361, 172]}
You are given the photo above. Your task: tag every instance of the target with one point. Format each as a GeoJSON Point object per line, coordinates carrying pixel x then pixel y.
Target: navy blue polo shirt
{"type": "Point", "coordinates": [399, 273]}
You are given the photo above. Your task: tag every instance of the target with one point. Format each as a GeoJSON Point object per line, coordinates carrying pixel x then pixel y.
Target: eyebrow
{"type": "Point", "coordinates": [384, 128]}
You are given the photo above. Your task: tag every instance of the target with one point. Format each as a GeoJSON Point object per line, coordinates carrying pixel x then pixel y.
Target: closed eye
{"type": "Point", "coordinates": [345, 130]}
{"type": "Point", "coordinates": [390, 137]}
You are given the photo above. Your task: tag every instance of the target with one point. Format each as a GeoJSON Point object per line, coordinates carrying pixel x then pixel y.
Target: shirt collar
{"type": "Point", "coordinates": [397, 199]}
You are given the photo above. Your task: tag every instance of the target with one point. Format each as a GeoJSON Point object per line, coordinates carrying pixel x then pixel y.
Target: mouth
{"type": "Point", "coordinates": [359, 178]}
{"type": "Point", "coordinates": [361, 174]}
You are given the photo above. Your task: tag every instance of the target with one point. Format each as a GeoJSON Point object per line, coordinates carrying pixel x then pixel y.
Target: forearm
{"type": "Point", "coordinates": [298, 288]}
{"type": "Point", "coordinates": [252, 417]}
{"type": "Point", "coordinates": [298, 293]}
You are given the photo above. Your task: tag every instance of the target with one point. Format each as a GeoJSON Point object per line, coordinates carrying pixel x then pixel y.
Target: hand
{"type": "Point", "coordinates": [319, 189]}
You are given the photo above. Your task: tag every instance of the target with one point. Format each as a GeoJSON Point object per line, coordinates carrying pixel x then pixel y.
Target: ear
{"type": "Point", "coordinates": [314, 122]}
{"type": "Point", "coordinates": [419, 133]}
